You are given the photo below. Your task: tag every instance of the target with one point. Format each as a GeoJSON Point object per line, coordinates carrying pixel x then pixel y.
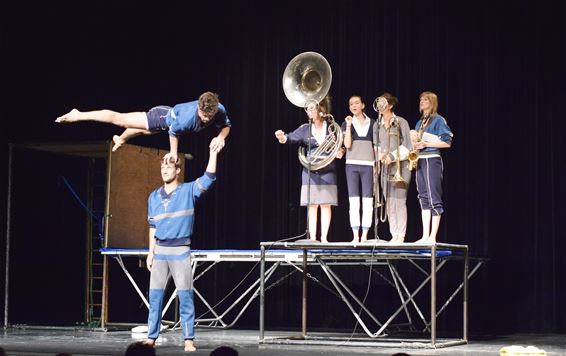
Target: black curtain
{"type": "Point", "coordinates": [497, 67]}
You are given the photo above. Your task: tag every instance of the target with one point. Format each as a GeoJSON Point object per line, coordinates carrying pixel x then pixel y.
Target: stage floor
{"type": "Point", "coordinates": [79, 342]}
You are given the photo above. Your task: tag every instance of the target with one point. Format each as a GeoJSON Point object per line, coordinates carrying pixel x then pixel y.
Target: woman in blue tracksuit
{"type": "Point", "coordinates": [431, 134]}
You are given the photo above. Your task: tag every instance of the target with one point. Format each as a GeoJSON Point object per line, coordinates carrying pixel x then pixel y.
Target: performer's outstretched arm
{"type": "Point", "coordinates": [211, 167]}
{"type": "Point", "coordinates": [218, 142]}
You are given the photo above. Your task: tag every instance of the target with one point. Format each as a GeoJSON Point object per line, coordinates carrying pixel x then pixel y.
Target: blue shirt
{"type": "Point", "coordinates": [184, 118]}
{"type": "Point", "coordinates": [439, 127]}
{"type": "Point", "coordinates": [173, 214]}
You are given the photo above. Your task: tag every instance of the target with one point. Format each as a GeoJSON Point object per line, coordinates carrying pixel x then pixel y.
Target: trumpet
{"type": "Point", "coordinates": [413, 159]}
{"type": "Point", "coordinates": [398, 177]}
{"type": "Point", "coordinates": [414, 154]}
{"type": "Point", "coordinates": [379, 207]}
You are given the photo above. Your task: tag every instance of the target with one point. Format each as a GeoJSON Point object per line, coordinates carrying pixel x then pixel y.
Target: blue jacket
{"type": "Point", "coordinates": [439, 128]}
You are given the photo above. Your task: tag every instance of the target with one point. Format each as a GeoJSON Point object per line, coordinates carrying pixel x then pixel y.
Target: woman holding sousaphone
{"type": "Point", "coordinates": [430, 135]}
{"type": "Point", "coordinates": [306, 82]}
{"type": "Point", "coordinates": [319, 186]}
{"type": "Point", "coordinates": [392, 142]}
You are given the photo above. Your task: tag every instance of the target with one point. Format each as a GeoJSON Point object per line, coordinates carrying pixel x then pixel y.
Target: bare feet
{"type": "Point", "coordinates": [324, 241]}
{"type": "Point", "coordinates": [118, 142]}
{"type": "Point", "coordinates": [355, 236]}
{"type": "Point", "coordinates": [150, 342]}
{"type": "Point", "coordinates": [71, 116]}
{"type": "Point", "coordinates": [364, 237]}
{"type": "Point", "coordinates": [423, 240]}
{"type": "Point", "coordinates": [190, 346]}
{"type": "Point", "coordinates": [397, 240]}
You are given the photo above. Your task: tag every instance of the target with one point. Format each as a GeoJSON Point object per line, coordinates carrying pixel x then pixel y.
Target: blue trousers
{"type": "Point", "coordinates": [176, 262]}
{"type": "Point", "coordinates": [429, 184]}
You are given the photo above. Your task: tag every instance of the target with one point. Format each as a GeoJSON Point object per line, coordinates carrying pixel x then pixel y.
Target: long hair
{"type": "Point", "coordinates": [433, 100]}
{"type": "Point", "coordinates": [326, 104]}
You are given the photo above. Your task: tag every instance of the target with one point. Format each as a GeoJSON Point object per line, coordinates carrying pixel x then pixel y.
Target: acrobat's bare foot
{"type": "Point", "coordinates": [149, 342]}
{"type": "Point", "coordinates": [118, 142]}
{"type": "Point", "coordinates": [71, 116]}
{"type": "Point", "coordinates": [190, 346]}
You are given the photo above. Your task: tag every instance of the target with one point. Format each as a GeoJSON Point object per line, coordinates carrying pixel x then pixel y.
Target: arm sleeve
{"type": "Point", "coordinates": [298, 135]}
{"type": "Point", "coordinates": [174, 128]}
{"type": "Point", "coordinates": [202, 184]}
{"type": "Point", "coordinates": [375, 134]}
{"type": "Point", "coordinates": [444, 132]}
{"type": "Point", "coordinates": [222, 120]}
{"type": "Point", "coordinates": [150, 215]}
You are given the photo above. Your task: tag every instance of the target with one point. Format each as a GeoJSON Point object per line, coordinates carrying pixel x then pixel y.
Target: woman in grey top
{"type": "Point", "coordinates": [360, 159]}
{"type": "Point", "coordinates": [392, 145]}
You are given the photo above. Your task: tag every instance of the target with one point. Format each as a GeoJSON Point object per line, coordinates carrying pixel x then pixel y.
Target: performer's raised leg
{"type": "Point", "coordinates": [135, 120]}
{"type": "Point", "coordinates": [126, 135]}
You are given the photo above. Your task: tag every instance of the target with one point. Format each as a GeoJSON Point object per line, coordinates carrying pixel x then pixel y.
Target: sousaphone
{"type": "Point", "coordinates": [306, 81]}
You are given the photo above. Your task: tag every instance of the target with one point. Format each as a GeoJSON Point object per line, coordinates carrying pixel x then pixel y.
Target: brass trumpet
{"type": "Point", "coordinates": [413, 159]}
{"type": "Point", "coordinates": [414, 154]}
{"type": "Point", "coordinates": [379, 208]}
{"type": "Point", "coordinates": [398, 177]}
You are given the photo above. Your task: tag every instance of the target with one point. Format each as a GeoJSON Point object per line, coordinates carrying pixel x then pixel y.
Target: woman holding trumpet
{"type": "Point", "coordinates": [392, 146]}
{"type": "Point", "coordinates": [430, 135]}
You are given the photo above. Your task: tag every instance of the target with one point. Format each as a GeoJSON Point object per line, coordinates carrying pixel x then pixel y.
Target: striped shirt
{"type": "Point", "coordinates": [172, 215]}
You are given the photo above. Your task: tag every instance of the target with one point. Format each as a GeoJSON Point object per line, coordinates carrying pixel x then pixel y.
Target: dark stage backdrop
{"type": "Point", "coordinates": [497, 67]}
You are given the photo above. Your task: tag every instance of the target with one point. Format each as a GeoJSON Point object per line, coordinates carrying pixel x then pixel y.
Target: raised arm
{"type": "Point", "coordinates": [280, 136]}
{"type": "Point", "coordinates": [173, 149]}
{"type": "Point", "coordinates": [217, 143]}
{"type": "Point", "coordinates": [212, 159]}
{"type": "Point", "coordinates": [348, 132]}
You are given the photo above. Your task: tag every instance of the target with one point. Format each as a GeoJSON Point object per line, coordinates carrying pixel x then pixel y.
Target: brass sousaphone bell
{"type": "Point", "coordinates": [306, 81]}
